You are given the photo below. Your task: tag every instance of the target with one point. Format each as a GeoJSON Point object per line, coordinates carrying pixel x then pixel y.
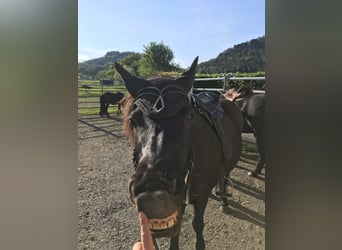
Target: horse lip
{"type": "Point", "coordinates": [164, 223]}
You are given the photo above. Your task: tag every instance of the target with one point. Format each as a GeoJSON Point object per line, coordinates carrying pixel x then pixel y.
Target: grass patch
{"type": "Point", "coordinates": [249, 148]}
{"type": "Point", "coordinates": [85, 112]}
{"type": "Point", "coordinates": [249, 152]}
{"type": "Point", "coordinates": [95, 111]}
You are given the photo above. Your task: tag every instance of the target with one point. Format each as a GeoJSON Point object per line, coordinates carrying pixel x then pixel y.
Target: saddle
{"type": "Point", "coordinates": [207, 105]}
{"type": "Point", "coordinates": [209, 102]}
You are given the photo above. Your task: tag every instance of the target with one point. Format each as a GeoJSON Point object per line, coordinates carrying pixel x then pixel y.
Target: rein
{"type": "Point", "coordinates": [190, 164]}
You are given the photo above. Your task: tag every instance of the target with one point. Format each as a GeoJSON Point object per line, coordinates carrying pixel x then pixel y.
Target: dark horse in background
{"type": "Point", "coordinates": [177, 153]}
{"type": "Point", "coordinates": [252, 106]}
{"type": "Point", "coordinates": [110, 98]}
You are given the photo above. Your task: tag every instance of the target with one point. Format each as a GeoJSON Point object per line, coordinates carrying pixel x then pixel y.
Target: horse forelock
{"type": "Point", "coordinates": [160, 79]}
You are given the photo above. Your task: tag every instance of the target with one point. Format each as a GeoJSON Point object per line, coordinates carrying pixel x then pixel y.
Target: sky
{"type": "Point", "coordinates": [191, 28]}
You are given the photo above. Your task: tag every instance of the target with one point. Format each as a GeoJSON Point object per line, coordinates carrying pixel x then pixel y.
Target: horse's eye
{"type": "Point", "coordinates": [132, 123]}
{"type": "Point", "coordinates": [136, 119]}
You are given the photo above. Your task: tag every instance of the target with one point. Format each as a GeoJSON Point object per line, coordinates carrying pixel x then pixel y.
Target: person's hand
{"type": "Point", "coordinates": [145, 233]}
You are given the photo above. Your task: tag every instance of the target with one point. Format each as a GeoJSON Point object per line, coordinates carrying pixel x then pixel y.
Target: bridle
{"type": "Point", "coordinates": [158, 109]}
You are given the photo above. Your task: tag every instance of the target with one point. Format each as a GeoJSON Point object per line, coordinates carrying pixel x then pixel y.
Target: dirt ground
{"type": "Point", "coordinates": [108, 221]}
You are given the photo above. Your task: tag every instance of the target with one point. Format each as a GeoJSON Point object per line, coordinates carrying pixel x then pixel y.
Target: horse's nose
{"type": "Point", "coordinates": [152, 201]}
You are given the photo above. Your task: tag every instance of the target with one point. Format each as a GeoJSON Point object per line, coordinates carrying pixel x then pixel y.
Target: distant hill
{"type": "Point", "coordinates": [90, 68]}
{"type": "Point", "coordinates": [245, 57]}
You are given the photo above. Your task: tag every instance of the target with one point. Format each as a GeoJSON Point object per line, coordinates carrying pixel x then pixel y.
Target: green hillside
{"type": "Point", "coordinates": [244, 57]}
{"type": "Point", "coordinates": [90, 68]}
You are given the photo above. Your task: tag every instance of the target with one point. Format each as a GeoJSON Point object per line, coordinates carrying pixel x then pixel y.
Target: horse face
{"type": "Point", "coordinates": [161, 128]}
{"type": "Point", "coordinates": [161, 157]}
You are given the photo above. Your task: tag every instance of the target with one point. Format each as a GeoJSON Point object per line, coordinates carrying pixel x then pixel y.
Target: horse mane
{"type": "Point", "coordinates": [127, 104]}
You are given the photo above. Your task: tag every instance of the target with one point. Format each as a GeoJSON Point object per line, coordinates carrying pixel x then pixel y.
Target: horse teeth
{"type": "Point", "coordinates": [162, 224]}
{"type": "Point", "coordinates": [156, 226]}
{"type": "Point", "coordinates": [170, 223]}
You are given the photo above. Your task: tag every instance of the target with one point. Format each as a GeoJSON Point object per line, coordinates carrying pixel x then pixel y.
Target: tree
{"type": "Point", "coordinates": [132, 63]}
{"type": "Point", "coordinates": [110, 71]}
{"type": "Point", "coordinates": [156, 57]}
{"type": "Point", "coordinates": [102, 74]}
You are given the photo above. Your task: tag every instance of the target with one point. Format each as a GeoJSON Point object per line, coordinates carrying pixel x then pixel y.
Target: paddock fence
{"type": "Point", "coordinates": [89, 92]}
{"type": "Point", "coordinates": [227, 80]}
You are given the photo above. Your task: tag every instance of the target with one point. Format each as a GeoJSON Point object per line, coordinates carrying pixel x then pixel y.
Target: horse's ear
{"type": "Point", "coordinates": [188, 76]}
{"type": "Point", "coordinates": [133, 84]}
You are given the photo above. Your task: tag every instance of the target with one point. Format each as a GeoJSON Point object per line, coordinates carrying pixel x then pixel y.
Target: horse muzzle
{"type": "Point", "coordinates": [163, 210]}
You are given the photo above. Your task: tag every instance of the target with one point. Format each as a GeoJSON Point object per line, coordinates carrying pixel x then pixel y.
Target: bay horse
{"type": "Point", "coordinates": [178, 157]}
{"type": "Point", "coordinates": [110, 98]}
{"type": "Point", "coordinates": [252, 106]}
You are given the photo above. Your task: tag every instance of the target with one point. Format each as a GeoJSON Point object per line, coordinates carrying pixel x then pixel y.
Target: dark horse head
{"type": "Point", "coordinates": [157, 120]}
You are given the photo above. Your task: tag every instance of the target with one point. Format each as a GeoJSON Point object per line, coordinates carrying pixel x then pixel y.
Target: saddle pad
{"type": "Point", "coordinates": [209, 102]}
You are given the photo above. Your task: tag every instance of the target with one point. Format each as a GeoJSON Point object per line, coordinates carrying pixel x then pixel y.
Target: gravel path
{"type": "Point", "coordinates": [108, 221]}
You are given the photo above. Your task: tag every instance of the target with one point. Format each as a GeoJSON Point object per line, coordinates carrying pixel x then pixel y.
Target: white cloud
{"type": "Point", "coordinates": [92, 52]}
{"type": "Point", "coordinates": [82, 58]}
